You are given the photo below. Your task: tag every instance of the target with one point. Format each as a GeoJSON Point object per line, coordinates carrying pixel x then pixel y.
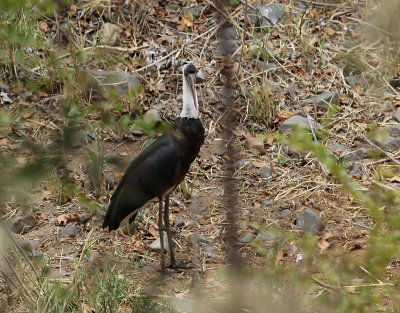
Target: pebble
{"type": "Point", "coordinates": [201, 239]}
{"type": "Point", "coordinates": [396, 115]}
{"type": "Point", "coordinates": [109, 183]}
{"type": "Point", "coordinates": [338, 148]}
{"type": "Point", "coordinates": [209, 250]}
{"type": "Point", "coordinates": [297, 121]}
{"type": "Point", "coordinates": [247, 237]}
{"type": "Point", "coordinates": [23, 224]}
{"type": "Point", "coordinates": [309, 222]}
{"type": "Point", "coordinates": [324, 99]}
{"type": "Point", "coordinates": [156, 244]}
{"type": "Point", "coordinates": [178, 224]}
{"type": "Point", "coordinates": [267, 203]}
{"type": "Point", "coordinates": [268, 235]}
{"type": "Point", "coordinates": [285, 213]}
{"type": "Point", "coordinates": [113, 158]}
{"type": "Point", "coordinates": [356, 170]}
{"type": "Point", "coordinates": [265, 172]}
{"type": "Point", "coordinates": [356, 155]}
{"type": "Point", "coordinates": [69, 230]}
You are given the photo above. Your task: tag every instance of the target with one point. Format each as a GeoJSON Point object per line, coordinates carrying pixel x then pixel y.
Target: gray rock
{"type": "Point", "coordinates": [4, 87]}
{"type": "Point", "coordinates": [356, 170]}
{"type": "Point", "coordinates": [209, 250]}
{"type": "Point", "coordinates": [309, 222]}
{"type": "Point", "coordinates": [114, 158]}
{"type": "Point", "coordinates": [83, 218]}
{"type": "Point", "coordinates": [201, 239]}
{"type": "Point", "coordinates": [267, 203]}
{"type": "Point", "coordinates": [355, 80]}
{"type": "Point", "coordinates": [24, 224]}
{"type": "Point", "coordinates": [324, 99]}
{"type": "Point", "coordinates": [396, 115]}
{"type": "Point", "coordinates": [183, 305]}
{"type": "Point", "coordinates": [91, 136]}
{"type": "Point", "coordinates": [285, 213]}
{"type": "Point", "coordinates": [69, 230]}
{"type": "Point", "coordinates": [172, 7]}
{"type": "Point", "coordinates": [196, 10]}
{"type": "Point", "coordinates": [131, 137]}
{"type": "Point", "coordinates": [36, 254]}
{"type": "Point", "coordinates": [356, 155]}
{"type": "Point", "coordinates": [178, 224]}
{"type": "Point", "coordinates": [394, 130]}
{"type": "Point", "coordinates": [268, 235]}
{"type": "Point", "coordinates": [151, 118]}
{"type": "Point", "coordinates": [337, 147]}
{"type": "Point", "coordinates": [247, 237]}
{"type": "Point", "coordinates": [5, 99]}
{"type": "Point", "coordinates": [266, 66]}
{"type": "Point", "coordinates": [297, 121]}
{"type": "Point", "coordinates": [268, 15]}
{"type": "Point", "coordinates": [388, 143]}
{"type": "Point", "coordinates": [156, 244]}
{"type": "Point", "coordinates": [265, 172]}
{"type": "Point", "coordinates": [200, 78]}
{"type": "Point", "coordinates": [118, 83]}
{"type": "Point", "coordinates": [109, 183]}
{"type": "Point", "coordinates": [29, 244]}
{"type": "Point", "coordinates": [240, 163]}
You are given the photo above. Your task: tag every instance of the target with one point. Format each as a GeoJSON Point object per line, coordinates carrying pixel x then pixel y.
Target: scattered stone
{"type": "Point", "coordinates": [200, 78]}
{"type": "Point", "coordinates": [130, 137]}
{"type": "Point", "coordinates": [109, 183]}
{"type": "Point", "coordinates": [267, 203]}
{"type": "Point", "coordinates": [151, 118]}
{"type": "Point", "coordinates": [297, 121]}
{"type": "Point", "coordinates": [91, 136]}
{"type": "Point", "coordinates": [5, 99]}
{"type": "Point", "coordinates": [172, 7]}
{"type": "Point", "coordinates": [201, 239]}
{"type": "Point", "coordinates": [247, 237]}
{"type": "Point", "coordinates": [395, 82]}
{"type": "Point", "coordinates": [137, 132]}
{"type": "Point", "coordinates": [265, 172]}
{"type": "Point", "coordinates": [266, 66]}
{"type": "Point", "coordinates": [29, 244]}
{"type": "Point", "coordinates": [388, 143]}
{"type": "Point", "coordinates": [183, 305]}
{"type": "Point", "coordinates": [394, 130]}
{"type": "Point", "coordinates": [268, 15]}
{"type": "Point", "coordinates": [195, 10]}
{"type": "Point", "coordinates": [83, 218]}
{"type": "Point", "coordinates": [110, 33]}
{"type": "Point", "coordinates": [299, 257]}
{"type": "Point", "coordinates": [396, 115]}
{"type": "Point", "coordinates": [356, 80]}
{"type": "Point", "coordinates": [118, 83]}
{"type": "Point", "coordinates": [324, 99]}
{"type": "Point", "coordinates": [356, 170]}
{"type": "Point", "coordinates": [309, 222]}
{"type": "Point", "coordinates": [23, 224]}
{"type": "Point", "coordinates": [36, 254]}
{"type": "Point", "coordinates": [114, 158]}
{"type": "Point", "coordinates": [268, 235]}
{"type": "Point", "coordinates": [285, 213]}
{"type": "Point", "coordinates": [356, 155]}
{"type": "Point", "coordinates": [240, 163]}
{"type": "Point", "coordinates": [255, 145]}
{"type": "Point", "coordinates": [337, 148]}
{"type": "Point", "coordinates": [69, 230]}
{"type": "Point", "coordinates": [156, 244]}
{"type": "Point", "coordinates": [178, 224]}
{"type": "Point", "coordinates": [4, 87]}
{"type": "Point", "coordinates": [209, 250]}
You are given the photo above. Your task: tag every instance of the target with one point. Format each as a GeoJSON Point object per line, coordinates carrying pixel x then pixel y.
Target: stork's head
{"type": "Point", "coordinates": [190, 105]}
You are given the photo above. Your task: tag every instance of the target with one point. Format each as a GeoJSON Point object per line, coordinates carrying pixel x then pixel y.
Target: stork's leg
{"type": "Point", "coordinates": [161, 231]}
{"type": "Point", "coordinates": [168, 230]}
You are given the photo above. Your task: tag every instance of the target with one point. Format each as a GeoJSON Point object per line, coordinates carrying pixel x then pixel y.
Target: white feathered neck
{"type": "Point", "coordinates": [189, 109]}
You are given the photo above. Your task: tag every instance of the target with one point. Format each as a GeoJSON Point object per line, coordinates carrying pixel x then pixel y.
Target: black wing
{"type": "Point", "coordinates": [150, 174]}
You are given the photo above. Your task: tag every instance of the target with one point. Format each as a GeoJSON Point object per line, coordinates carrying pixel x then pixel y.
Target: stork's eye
{"type": "Point", "coordinates": [190, 69]}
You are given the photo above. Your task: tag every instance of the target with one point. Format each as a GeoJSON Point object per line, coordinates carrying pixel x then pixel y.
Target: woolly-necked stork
{"type": "Point", "coordinates": [158, 169]}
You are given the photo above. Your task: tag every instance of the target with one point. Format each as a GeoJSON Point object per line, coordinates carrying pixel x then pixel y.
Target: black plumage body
{"type": "Point", "coordinates": [156, 170]}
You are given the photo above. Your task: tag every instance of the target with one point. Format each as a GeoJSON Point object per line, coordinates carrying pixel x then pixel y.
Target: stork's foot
{"type": "Point", "coordinates": [180, 267]}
